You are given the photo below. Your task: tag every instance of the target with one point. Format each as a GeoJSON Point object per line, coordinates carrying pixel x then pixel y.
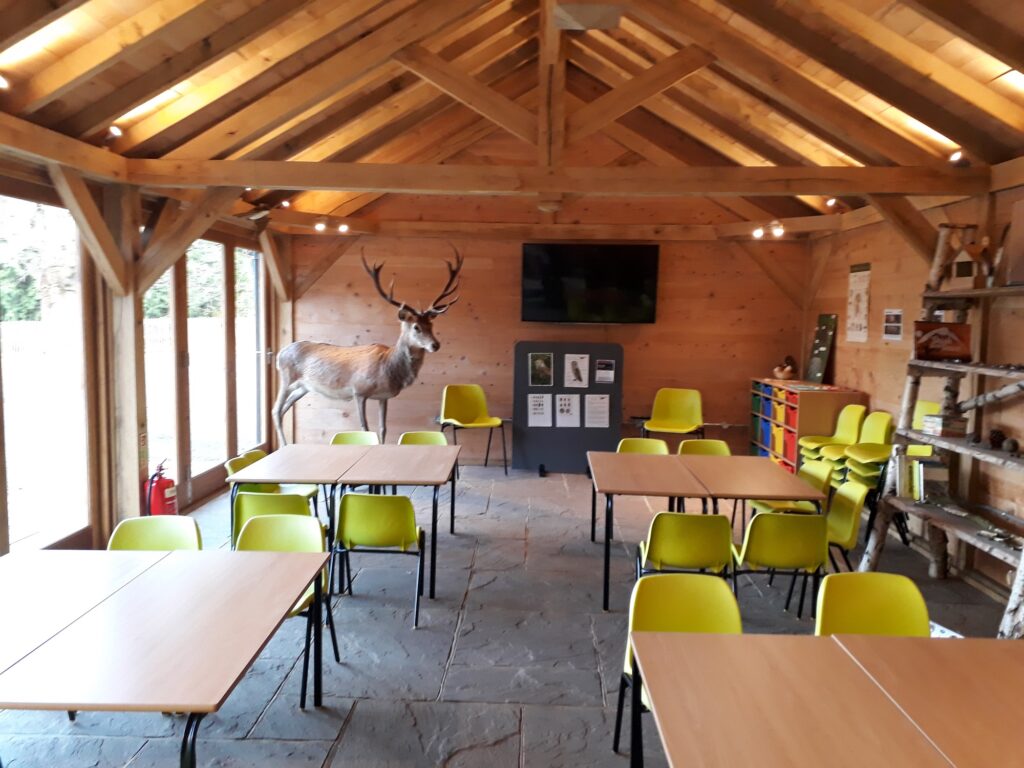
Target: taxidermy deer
{"type": "Point", "coordinates": [369, 372]}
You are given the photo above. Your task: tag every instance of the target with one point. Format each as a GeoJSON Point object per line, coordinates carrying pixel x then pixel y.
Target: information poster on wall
{"type": "Point", "coordinates": [857, 303]}
{"type": "Point", "coordinates": [567, 410]}
{"type": "Point", "coordinates": [538, 409]}
{"type": "Point", "coordinates": [604, 371]}
{"type": "Point", "coordinates": [892, 325]}
{"type": "Point", "coordinates": [542, 369]}
{"type": "Point", "coordinates": [598, 408]}
{"type": "Point", "coordinates": [577, 371]}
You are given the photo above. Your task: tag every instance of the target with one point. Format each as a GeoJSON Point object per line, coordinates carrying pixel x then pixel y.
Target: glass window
{"type": "Point", "coordinates": [250, 343]}
{"type": "Point", "coordinates": [43, 354]}
{"type": "Point", "coordinates": [161, 411]}
{"type": "Point", "coordinates": [207, 358]}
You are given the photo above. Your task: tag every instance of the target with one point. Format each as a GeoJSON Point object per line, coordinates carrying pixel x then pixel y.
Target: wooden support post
{"type": "Point", "coordinates": [122, 211]}
{"type": "Point", "coordinates": [285, 335]}
{"type": "Point", "coordinates": [1012, 625]}
{"type": "Point", "coordinates": [279, 266]}
{"type": "Point", "coordinates": [5, 541]}
{"type": "Point", "coordinates": [938, 552]}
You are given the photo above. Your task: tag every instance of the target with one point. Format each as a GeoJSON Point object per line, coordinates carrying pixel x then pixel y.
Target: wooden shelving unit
{"type": "Point", "coordinates": [964, 447]}
{"type": "Point", "coordinates": [966, 526]}
{"type": "Point", "coordinates": [782, 412]}
{"type": "Point", "coordinates": [942, 368]}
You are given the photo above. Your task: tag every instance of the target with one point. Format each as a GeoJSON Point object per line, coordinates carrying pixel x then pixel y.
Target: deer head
{"type": "Point", "coordinates": [418, 326]}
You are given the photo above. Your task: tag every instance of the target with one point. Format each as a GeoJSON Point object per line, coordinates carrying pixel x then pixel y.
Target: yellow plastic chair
{"type": "Point", "coordinates": [159, 533]}
{"type": "Point", "coordinates": [422, 438]}
{"type": "Point", "coordinates": [704, 447]}
{"type": "Point", "coordinates": [871, 604]}
{"type": "Point", "coordinates": [875, 435]}
{"type": "Point", "coordinates": [674, 602]}
{"type": "Point", "coordinates": [785, 543]}
{"type": "Point", "coordinates": [355, 437]}
{"type": "Point", "coordinates": [676, 411]}
{"type": "Point", "coordinates": [249, 505]}
{"type": "Point", "coordinates": [464, 406]}
{"type": "Point", "coordinates": [847, 430]}
{"type": "Point", "coordinates": [817, 474]}
{"type": "Point", "coordinates": [922, 408]}
{"type": "Point", "coordinates": [681, 543]}
{"type": "Point", "coordinates": [308, 491]}
{"type": "Point", "coordinates": [844, 513]}
{"type": "Point", "coordinates": [647, 445]}
{"type": "Point", "coordinates": [293, 533]}
{"type": "Point", "coordinates": [381, 524]}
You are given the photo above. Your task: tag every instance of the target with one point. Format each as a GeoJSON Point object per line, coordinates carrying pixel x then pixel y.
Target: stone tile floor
{"type": "Point", "coordinates": [514, 664]}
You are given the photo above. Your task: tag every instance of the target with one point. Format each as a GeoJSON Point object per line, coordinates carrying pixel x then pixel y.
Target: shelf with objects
{"type": "Point", "coordinates": [956, 432]}
{"type": "Point", "coordinates": [782, 411]}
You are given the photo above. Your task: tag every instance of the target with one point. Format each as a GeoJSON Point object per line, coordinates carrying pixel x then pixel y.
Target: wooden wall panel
{"type": "Point", "coordinates": [720, 322]}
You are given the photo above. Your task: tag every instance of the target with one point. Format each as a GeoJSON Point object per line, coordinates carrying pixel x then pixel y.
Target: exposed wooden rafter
{"type": "Point", "coordinates": [279, 268]}
{"type": "Point", "coordinates": [23, 17]}
{"type": "Point", "coordinates": [551, 82]}
{"type": "Point", "coordinates": [909, 222]}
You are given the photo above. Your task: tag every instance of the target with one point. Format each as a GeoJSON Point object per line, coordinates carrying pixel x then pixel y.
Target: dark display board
{"type": "Point", "coordinates": [821, 349]}
{"type": "Point", "coordinates": [566, 373]}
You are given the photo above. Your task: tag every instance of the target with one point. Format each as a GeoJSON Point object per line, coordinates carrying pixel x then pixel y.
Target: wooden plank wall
{"type": "Point", "coordinates": [879, 367]}
{"type": "Point", "coordinates": [720, 322]}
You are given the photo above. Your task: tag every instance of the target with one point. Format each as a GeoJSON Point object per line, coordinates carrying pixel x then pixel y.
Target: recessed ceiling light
{"type": "Point", "coordinates": [831, 202]}
{"type": "Point", "coordinates": [777, 229]}
{"type": "Point", "coordinates": [320, 226]}
{"type": "Point", "coordinates": [343, 228]}
{"type": "Point", "coordinates": [116, 132]}
{"type": "Point", "coordinates": [758, 233]}
{"type": "Point", "coordinates": [285, 204]}
{"type": "Point", "coordinates": [956, 156]}
{"type": "Point", "coordinates": [142, 228]}
{"type": "Point", "coordinates": [248, 189]}
{"type": "Point", "coordinates": [4, 83]}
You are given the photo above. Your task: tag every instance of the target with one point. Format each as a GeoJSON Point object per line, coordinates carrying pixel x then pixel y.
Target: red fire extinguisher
{"type": "Point", "coordinates": [161, 494]}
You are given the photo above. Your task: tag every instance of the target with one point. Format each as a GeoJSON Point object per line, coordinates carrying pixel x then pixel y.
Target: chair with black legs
{"type": "Point", "coordinates": [464, 406]}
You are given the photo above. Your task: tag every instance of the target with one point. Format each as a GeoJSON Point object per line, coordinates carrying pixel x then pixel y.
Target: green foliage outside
{"type": "Point", "coordinates": [204, 267]}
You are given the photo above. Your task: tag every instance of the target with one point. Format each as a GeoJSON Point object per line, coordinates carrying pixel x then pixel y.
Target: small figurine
{"type": "Point", "coordinates": [996, 438]}
{"type": "Point", "coordinates": [787, 370]}
{"type": "Point", "coordinates": [1011, 445]}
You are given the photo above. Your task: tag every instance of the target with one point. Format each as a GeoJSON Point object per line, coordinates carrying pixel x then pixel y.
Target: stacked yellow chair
{"type": "Point", "coordinates": [674, 602]}
{"type": "Point", "coordinates": [871, 604]}
{"type": "Point", "coordinates": [847, 429]}
{"type": "Point", "coordinates": [681, 543]}
{"type": "Point", "coordinates": [875, 431]}
{"type": "Point", "coordinates": [865, 463]}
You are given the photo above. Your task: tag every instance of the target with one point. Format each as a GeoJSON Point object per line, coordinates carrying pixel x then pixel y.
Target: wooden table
{"type": "Point", "coordinates": [175, 638]}
{"type": "Point", "coordinates": [964, 694]}
{"type": "Point", "coordinates": [771, 700]}
{"type": "Point", "coordinates": [303, 463]}
{"type": "Point", "coordinates": [38, 600]}
{"type": "Point", "coordinates": [428, 465]}
{"type": "Point", "coordinates": [634, 474]}
{"type": "Point", "coordinates": [749, 477]}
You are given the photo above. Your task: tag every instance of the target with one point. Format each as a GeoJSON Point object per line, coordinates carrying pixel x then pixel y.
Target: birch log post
{"type": "Point", "coordinates": [941, 259]}
{"type": "Point", "coordinates": [1012, 625]}
{"type": "Point", "coordinates": [987, 398]}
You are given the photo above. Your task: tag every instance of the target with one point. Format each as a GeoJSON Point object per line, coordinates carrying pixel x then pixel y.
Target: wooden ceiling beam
{"type": "Point", "coordinates": [92, 228]}
{"type": "Point", "coordinates": [512, 180]}
{"type": "Point", "coordinates": [634, 92]}
{"type": "Point", "coordinates": [24, 17]}
{"type": "Point", "coordinates": [23, 139]}
{"type": "Point", "coordinates": [551, 62]}
{"type": "Point", "coordinates": [919, 233]}
{"type": "Point", "coordinates": [469, 91]}
{"type": "Point", "coordinates": [876, 144]}
{"type": "Point", "coordinates": [969, 19]}
{"type": "Point", "coordinates": [330, 25]}
{"type": "Point", "coordinates": [888, 66]}
{"type": "Point", "coordinates": [181, 66]}
{"type": "Point", "coordinates": [318, 82]}
{"type": "Point", "coordinates": [103, 52]}
{"type": "Point", "coordinates": [278, 267]}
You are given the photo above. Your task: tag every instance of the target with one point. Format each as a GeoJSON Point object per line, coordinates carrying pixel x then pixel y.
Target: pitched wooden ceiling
{"type": "Point", "coordinates": [714, 84]}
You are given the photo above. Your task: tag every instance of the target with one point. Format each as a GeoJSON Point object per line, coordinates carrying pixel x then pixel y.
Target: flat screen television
{"type": "Point", "coordinates": [589, 283]}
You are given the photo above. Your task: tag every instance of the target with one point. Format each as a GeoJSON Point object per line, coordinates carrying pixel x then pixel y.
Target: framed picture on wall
{"type": "Point", "coordinates": [542, 369]}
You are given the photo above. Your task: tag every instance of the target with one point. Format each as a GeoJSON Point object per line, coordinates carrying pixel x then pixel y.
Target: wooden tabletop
{"type": "Point", "coordinates": [638, 474]}
{"type": "Point", "coordinates": [403, 465]}
{"type": "Point", "coordinates": [177, 638]}
{"type": "Point", "coordinates": [42, 592]}
{"type": "Point", "coordinates": [772, 700]}
{"type": "Point", "coordinates": [748, 477]}
{"type": "Point", "coordinates": [964, 694]}
{"type": "Point", "coordinates": [302, 463]}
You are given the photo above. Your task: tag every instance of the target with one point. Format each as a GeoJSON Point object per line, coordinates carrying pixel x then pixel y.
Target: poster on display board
{"type": "Point", "coordinates": [542, 369]}
{"type": "Point", "coordinates": [567, 410]}
{"type": "Point", "coordinates": [604, 371]}
{"type": "Point", "coordinates": [892, 325]}
{"type": "Point", "coordinates": [539, 410]}
{"type": "Point", "coordinates": [857, 303]}
{"type": "Point", "coordinates": [598, 412]}
{"type": "Point", "coordinates": [577, 371]}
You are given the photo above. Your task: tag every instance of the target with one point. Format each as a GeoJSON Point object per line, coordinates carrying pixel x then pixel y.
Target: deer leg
{"type": "Point", "coordinates": [361, 406]}
{"type": "Point", "coordinates": [383, 420]}
{"type": "Point", "coordinates": [286, 398]}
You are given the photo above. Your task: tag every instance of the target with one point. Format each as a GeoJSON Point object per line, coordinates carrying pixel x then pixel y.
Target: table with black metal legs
{"type": "Point", "coordinates": [417, 465]}
{"type": "Point", "coordinates": [197, 621]}
{"type": "Point", "coordinates": [749, 478]}
{"type": "Point", "coordinates": [635, 474]}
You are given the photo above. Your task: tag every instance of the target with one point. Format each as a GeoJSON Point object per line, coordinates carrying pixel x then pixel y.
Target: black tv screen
{"type": "Point", "coordinates": [589, 283]}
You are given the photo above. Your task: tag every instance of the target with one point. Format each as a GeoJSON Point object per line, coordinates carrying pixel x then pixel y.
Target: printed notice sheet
{"type": "Point", "coordinates": [598, 409]}
{"type": "Point", "coordinates": [567, 410]}
{"type": "Point", "coordinates": [538, 410]}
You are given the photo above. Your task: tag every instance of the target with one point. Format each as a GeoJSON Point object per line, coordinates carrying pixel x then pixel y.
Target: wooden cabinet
{"type": "Point", "coordinates": [781, 412]}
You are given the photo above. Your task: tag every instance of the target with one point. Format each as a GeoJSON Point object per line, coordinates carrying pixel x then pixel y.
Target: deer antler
{"type": "Point", "coordinates": [450, 287]}
{"type": "Point", "coordinates": [374, 273]}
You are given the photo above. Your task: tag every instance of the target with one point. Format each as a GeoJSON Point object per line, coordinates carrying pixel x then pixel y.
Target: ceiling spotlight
{"type": "Point", "coordinates": [777, 229]}
{"type": "Point", "coordinates": [248, 189]}
{"type": "Point", "coordinates": [343, 228]}
{"type": "Point", "coordinates": [831, 202]}
{"type": "Point", "coordinates": [956, 156]}
{"type": "Point", "coordinates": [758, 233]}
{"type": "Point", "coordinates": [320, 226]}
{"type": "Point", "coordinates": [115, 132]}
{"type": "Point", "coordinates": [4, 83]}
{"type": "Point", "coordinates": [285, 204]}
{"type": "Point", "coordinates": [142, 228]}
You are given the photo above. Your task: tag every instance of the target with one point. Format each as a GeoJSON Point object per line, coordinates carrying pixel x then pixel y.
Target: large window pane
{"type": "Point", "coordinates": [207, 396]}
{"type": "Point", "coordinates": [249, 348]}
{"type": "Point", "coordinates": [42, 345]}
{"type": "Point", "coordinates": [161, 413]}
